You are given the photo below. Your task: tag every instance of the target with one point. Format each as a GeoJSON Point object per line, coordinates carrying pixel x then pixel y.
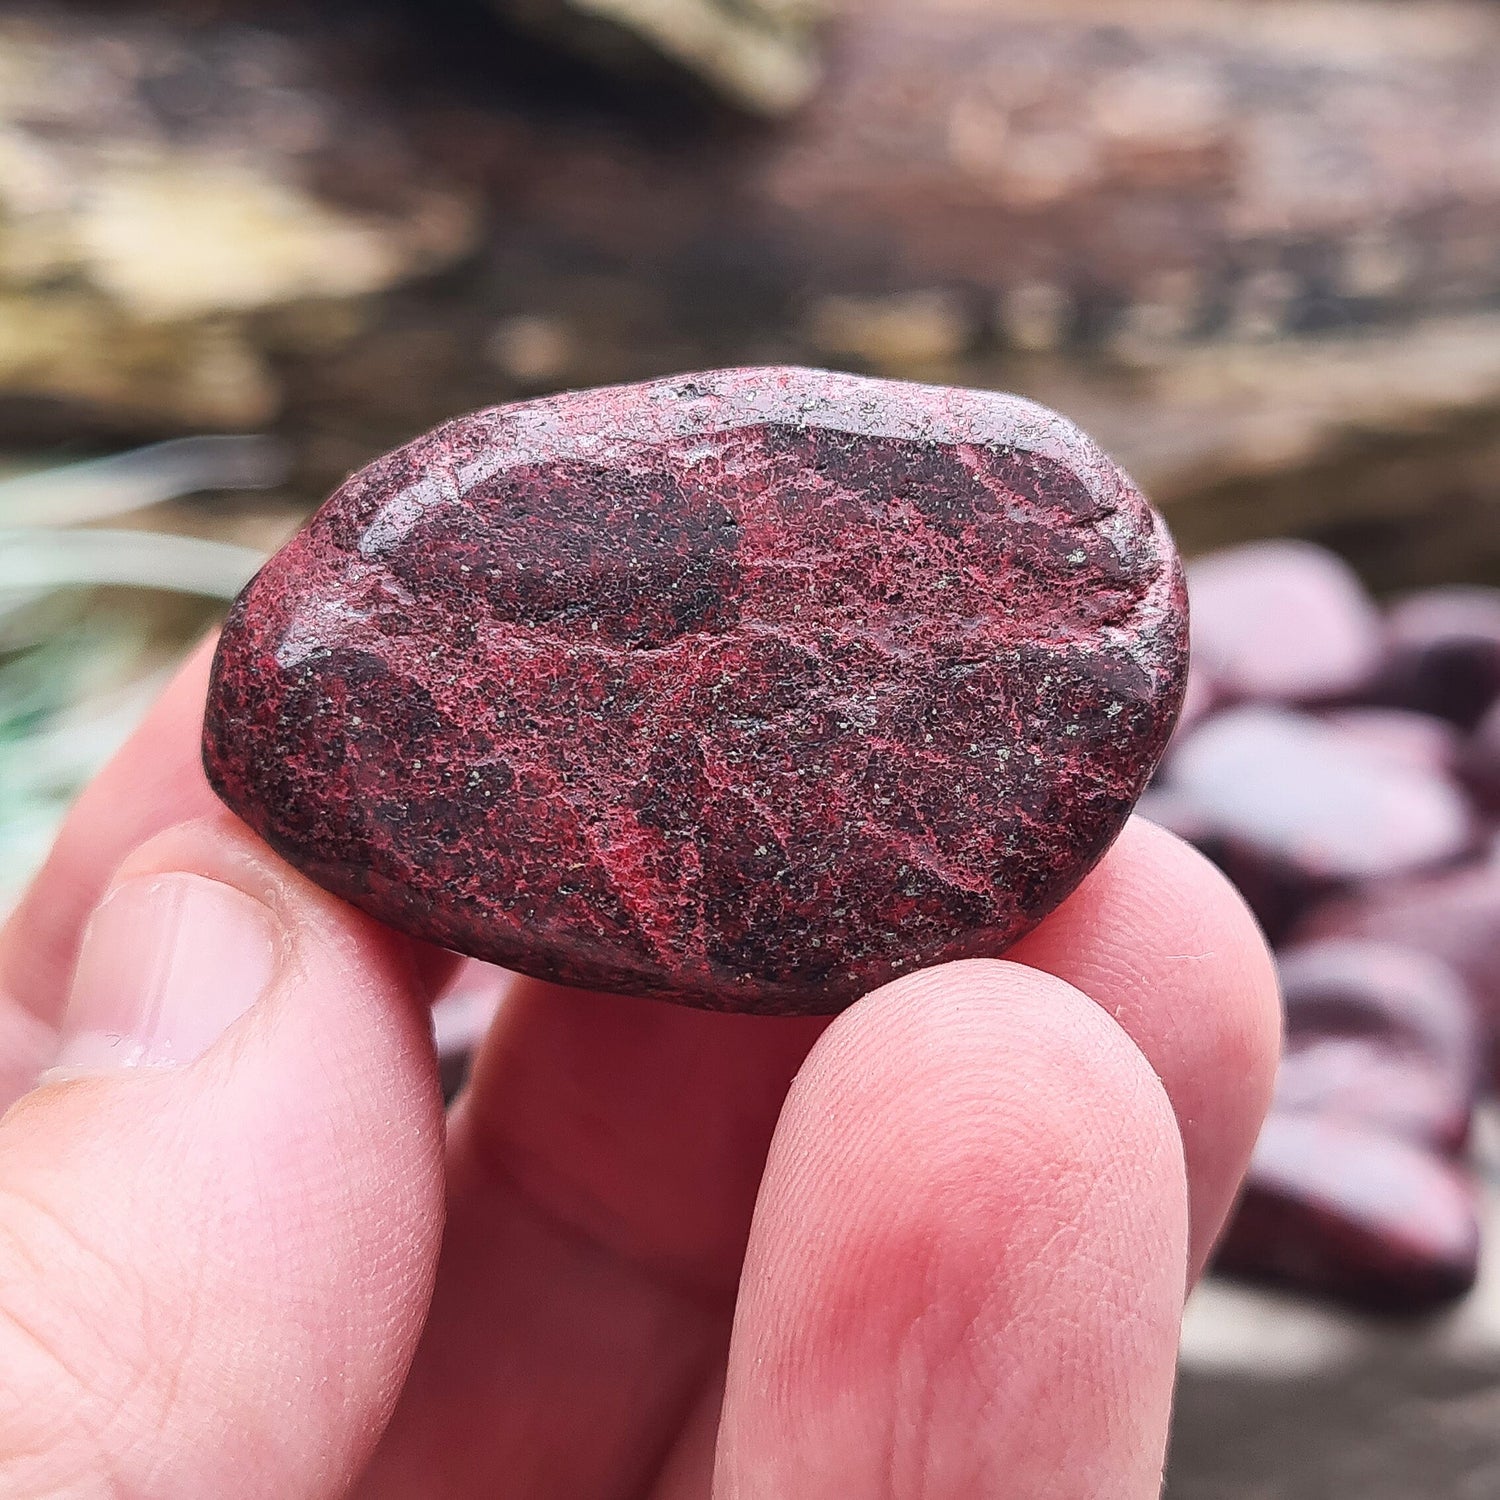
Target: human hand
{"type": "Point", "coordinates": [959, 1272]}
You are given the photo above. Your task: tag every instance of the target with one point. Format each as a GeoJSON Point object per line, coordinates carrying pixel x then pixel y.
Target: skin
{"type": "Point", "coordinates": [937, 1247]}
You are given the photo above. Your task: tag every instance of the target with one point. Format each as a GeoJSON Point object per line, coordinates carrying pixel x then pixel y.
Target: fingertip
{"type": "Point", "coordinates": [218, 846]}
{"type": "Point", "coordinates": [1159, 937]}
{"type": "Point", "coordinates": [975, 1057]}
{"type": "Point", "coordinates": [969, 1256]}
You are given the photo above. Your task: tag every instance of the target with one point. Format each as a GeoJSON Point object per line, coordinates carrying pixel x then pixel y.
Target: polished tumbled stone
{"type": "Point", "coordinates": [1443, 653]}
{"type": "Point", "coordinates": [751, 689]}
{"type": "Point", "coordinates": [1359, 1215]}
{"type": "Point", "coordinates": [1293, 808]}
{"type": "Point", "coordinates": [1380, 1035]}
{"type": "Point", "coordinates": [1282, 621]}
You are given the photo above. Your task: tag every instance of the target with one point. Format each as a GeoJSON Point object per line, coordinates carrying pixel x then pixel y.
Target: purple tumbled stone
{"type": "Point", "coordinates": [1282, 621]}
{"type": "Point", "coordinates": [1400, 735]}
{"type": "Point", "coordinates": [1479, 761]}
{"type": "Point", "coordinates": [1379, 1035]}
{"type": "Point", "coordinates": [751, 689]}
{"type": "Point", "coordinates": [1454, 915]}
{"type": "Point", "coordinates": [1292, 809]}
{"type": "Point", "coordinates": [1355, 1214]}
{"type": "Point", "coordinates": [1443, 653]}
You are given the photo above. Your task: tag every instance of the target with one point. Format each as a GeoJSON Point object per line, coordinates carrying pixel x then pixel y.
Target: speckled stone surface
{"type": "Point", "coordinates": [750, 689]}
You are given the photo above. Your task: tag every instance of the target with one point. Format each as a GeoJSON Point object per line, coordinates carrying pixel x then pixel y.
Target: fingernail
{"type": "Point", "coordinates": [168, 964]}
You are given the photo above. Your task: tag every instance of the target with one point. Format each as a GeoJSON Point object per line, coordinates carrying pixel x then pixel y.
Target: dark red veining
{"type": "Point", "coordinates": [751, 689]}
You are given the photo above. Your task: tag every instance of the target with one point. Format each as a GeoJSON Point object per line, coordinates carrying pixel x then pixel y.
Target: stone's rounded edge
{"type": "Point", "coordinates": [258, 656]}
{"type": "Point", "coordinates": [607, 422]}
{"type": "Point", "coordinates": [1364, 982]}
{"type": "Point", "coordinates": [1168, 596]}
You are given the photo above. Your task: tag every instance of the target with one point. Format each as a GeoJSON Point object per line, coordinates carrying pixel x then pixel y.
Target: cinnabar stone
{"type": "Point", "coordinates": [750, 689]}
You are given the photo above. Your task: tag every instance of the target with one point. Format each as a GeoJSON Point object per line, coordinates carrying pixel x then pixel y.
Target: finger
{"type": "Point", "coordinates": [968, 1264]}
{"type": "Point", "coordinates": [608, 1154]}
{"type": "Point", "coordinates": [602, 1169]}
{"type": "Point", "coordinates": [1159, 938]}
{"type": "Point", "coordinates": [219, 1224]}
{"type": "Point", "coordinates": [153, 782]}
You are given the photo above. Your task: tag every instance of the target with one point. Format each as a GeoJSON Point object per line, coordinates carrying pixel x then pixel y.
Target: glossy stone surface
{"type": "Point", "coordinates": [1400, 735]}
{"type": "Point", "coordinates": [1379, 1035]}
{"type": "Point", "coordinates": [749, 689]}
{"type": "Point", "coordinates": [1454, 915]}
{"type": "Point", "coordinates": [1293, 809]}
{"type": "Point", "coordinates": [1357, 1215]}
{"type": "Point", "coordinates": [1479, 761]}
{"type": "Point", "coordinates": [1333, 806]}
{"type": "Point", "coordinates": [1282, 621]}
{"type": "Point", "coordinates": [1443, 653]}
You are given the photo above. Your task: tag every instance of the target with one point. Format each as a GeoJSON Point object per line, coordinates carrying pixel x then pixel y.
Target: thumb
{"type": "Point", "coordinates": [220, 1211]}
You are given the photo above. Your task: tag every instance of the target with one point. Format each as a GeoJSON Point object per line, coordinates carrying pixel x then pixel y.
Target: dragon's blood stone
{"type": "Point", "coordinates": [1293, 808]}
{"type": "Point", "coordinates": [750, 689]}
{"type": "Point", "coordinates": [1402, 736]}
{"type": "Point", "coordinates": [1443, 653]}
{"type": "Point", "coordinates": [1453, 915]}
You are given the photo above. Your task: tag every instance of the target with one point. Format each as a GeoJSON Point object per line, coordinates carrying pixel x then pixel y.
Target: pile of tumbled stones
{"type": "Point", "coordinates": [1342, 765]}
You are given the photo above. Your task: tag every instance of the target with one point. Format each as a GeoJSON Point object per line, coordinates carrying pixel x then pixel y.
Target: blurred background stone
{"type": "Point", "coordinates": [1366, 1215]}
{"type": "Point", "coordinates": [1283, 621]}
{"type": "Point", "coordinates": [1443, 653]}
{"type": "Point", "coordinates": [1282, 1397]}
{"type": "Point", "coordinates": [1381, 1036]}
{"type": "Point", "coordinates": [1295, 811]}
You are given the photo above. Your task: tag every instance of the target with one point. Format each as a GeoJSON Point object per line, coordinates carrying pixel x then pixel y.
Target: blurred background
{"type": "Point", "coordinates": [1253, 246]}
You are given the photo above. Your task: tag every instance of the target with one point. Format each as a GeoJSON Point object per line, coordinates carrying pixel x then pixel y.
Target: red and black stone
{"type": "Point", "coordinates": [750, 689]}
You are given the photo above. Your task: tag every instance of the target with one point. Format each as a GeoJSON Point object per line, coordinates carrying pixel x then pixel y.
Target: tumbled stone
{"type": "Point", "coordinates": [1379, 1035]}
{"type": "Point", "coordinates": [1454, 915]}
{"type": "Point", "coordinates": [1354, 1214]}
{"type": "Point", "coordinates": [1292, 809]}
{"type": "Point", "coordinates": [1443, 653]}
{"type": "Point", "coordinates": [1400, 735]}
{"type": "Point", "coordinates": [750, 689]}
{"type": "Point", "coordinates": [1282, 621]}
{"type": "Point", "coordinates": [1479, 760]}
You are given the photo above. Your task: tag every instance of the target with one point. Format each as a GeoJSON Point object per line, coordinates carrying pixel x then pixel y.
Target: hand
{"type": "Point", "coordinates": [935, 1248]}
